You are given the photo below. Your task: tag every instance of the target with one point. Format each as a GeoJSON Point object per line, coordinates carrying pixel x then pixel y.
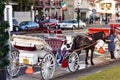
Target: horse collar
{"type": "Point", "coordinates": [90, 38]}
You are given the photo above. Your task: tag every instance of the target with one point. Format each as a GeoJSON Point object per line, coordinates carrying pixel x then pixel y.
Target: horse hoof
{"type": "Point", "coordinates": [86, 63]}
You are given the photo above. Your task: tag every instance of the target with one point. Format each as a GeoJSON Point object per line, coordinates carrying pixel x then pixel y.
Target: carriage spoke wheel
{"type": "Point", "coordinates": [48, 66]}
{"type": "Point", "coordinates": [117, 50]}
{"type": "Point", "coordinates": [15, 67]}
{"type": "Point", "coordinates": [73, 62]}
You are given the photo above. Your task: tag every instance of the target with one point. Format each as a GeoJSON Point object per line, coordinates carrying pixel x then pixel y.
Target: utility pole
{"type": "Point", "coordinates": [78, 17]}
{"type": "Point", "coordinates": [78, 13]}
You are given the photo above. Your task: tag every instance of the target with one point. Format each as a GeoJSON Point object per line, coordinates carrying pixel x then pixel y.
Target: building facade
{"type": "Point", "coordinates": [108, 8]}
{"type": "Point", "coordinates": [53, 8]}
{"type": "Point", "coordinates": [72, 8]}
{"type": "Point", "coordinates": [48, 9]}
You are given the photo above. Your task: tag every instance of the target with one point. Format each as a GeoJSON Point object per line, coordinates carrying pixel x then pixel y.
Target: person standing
{"type": "Point", "coordinates": [111, 43]}
{"type": "Point", "coordinates": [101, 18]}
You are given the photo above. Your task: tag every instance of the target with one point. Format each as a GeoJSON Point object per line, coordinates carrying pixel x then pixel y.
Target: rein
{"type": "Point", "coordinates": [83, 47]}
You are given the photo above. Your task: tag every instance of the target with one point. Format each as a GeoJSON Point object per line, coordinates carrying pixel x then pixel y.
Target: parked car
{"type": "Point", "coordinates": [71, 24]}
{"type": "Point", "coordinates": [26, 25]}
{"type": "Point", "coordinates": [51, 23]}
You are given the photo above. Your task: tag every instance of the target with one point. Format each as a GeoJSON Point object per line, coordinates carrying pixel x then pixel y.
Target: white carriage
{"type": "Point", "coordinates": [32, 51]}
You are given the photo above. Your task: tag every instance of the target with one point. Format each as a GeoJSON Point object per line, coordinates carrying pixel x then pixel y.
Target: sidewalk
{"type": "Point", "coordinates": [101, 63]}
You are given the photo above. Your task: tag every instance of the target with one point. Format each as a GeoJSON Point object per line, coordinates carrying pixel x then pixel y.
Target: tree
{"type": "Point", "coordinates": [4, 47]}
{"type": "Point", "coordinates": [25, 4]}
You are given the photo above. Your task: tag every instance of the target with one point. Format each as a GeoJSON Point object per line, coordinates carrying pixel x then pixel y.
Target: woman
{"type": "Point", "coordinates": [111, 43]}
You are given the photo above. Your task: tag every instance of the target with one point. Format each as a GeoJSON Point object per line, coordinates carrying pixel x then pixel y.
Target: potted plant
{"type": "Point", "coordinates": [4, 47]}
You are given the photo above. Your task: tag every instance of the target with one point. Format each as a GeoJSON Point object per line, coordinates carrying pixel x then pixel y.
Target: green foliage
{"type": "Point", "coordinates": [4, 36]}
{"type": "Point", "coordinates": [24, 5]}
{"type": "Point", "coordinates": [1, 8]}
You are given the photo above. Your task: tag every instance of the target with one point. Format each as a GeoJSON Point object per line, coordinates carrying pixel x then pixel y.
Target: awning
{"type": "Point", "coordinates": [38, 7]}
{"type": "Point", "coordinates": [91, 0]}
{"type": "Point", "coordinates": [82, 9]}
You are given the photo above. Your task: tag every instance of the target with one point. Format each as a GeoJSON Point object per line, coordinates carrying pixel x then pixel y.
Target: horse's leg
{"type": "Point", "coordinates": [86, 61]}
{"type": "Point", "coordinates": [91, 58]}
{"type": "Point", "coordinates": [78, 52]}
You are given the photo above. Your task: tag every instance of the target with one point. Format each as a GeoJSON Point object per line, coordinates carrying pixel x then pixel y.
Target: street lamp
{"type": "Point", "coordinates": [106, 19]}
{"type": "Point", "coordinates": [78, 12]}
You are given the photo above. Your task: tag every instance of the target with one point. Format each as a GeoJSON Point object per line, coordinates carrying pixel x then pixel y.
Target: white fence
{"type": "Point", "coordinates": [23, 16]}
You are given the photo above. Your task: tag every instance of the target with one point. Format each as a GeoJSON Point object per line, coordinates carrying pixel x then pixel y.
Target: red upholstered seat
{"type": "Point", "coordinates": [54, 43]}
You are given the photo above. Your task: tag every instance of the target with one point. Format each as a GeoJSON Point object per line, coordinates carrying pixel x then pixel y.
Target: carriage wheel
{"type": "Point", "coordinates": [73, 62]}
{"type": "Point", "coordinates": [48, 66]}
{"type": "Point", "coordinates": [15, 67]}
{"type": "Point", "coordinates": [117, 50]}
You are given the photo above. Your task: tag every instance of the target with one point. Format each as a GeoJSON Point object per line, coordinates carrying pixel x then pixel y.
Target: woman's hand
{"type": "Point", "coordinates": [108, 40]}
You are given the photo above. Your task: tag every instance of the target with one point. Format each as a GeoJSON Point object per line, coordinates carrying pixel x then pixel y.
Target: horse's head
{"type": "Point", "coordinates": [98, 35]}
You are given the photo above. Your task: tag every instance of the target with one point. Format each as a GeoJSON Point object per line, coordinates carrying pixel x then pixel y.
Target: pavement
{"type": "Point", "coordinates": [64, 74]}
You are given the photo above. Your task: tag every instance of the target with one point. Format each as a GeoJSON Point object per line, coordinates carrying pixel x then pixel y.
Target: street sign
{"type": "Point", "coordinates": [94, 11]}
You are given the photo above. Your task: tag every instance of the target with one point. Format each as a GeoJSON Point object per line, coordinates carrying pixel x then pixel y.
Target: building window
{"type": "Point", "coordinates": [106, 6]}
{"type": "Point", "coordinates": [118, 6]}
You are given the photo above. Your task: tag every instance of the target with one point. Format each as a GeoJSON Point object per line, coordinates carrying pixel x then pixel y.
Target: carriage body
{"type": "Point", "coordinates": [37, 51]}
{"type": "Point", "coordinates": [114, 25]}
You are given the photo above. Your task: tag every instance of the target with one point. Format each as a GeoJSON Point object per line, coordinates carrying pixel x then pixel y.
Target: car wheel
{"type": "Point", "coordinates": [16, 29]}
{"type": "Point", "coordinates": [83, 26]}
{"type": "Point", "coordinates": [26, 28]}
{"type": "Point", "coordinates": [73, 27]}
{"type": "Point", "coordinates": [48, 27]}
{"type": "Point", "coordinates": [57, 26]}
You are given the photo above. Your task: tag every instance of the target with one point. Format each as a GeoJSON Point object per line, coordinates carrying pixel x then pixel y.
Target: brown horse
{"type": "Point", "coordinates": [86, 43]}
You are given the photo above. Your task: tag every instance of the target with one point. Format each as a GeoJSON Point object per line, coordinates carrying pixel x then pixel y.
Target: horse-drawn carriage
{"type": "Point", "coordinates": [44, 51]}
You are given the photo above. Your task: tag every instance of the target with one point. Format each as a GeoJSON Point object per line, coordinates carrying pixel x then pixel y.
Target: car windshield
{"type": "Point", "coordinates": [45, 21]}
{"type": "Point", "coordinates": [73, 21]}
{"type": "Point", "coordinates": [66, 21]}
{"type": "Point", "coordinates": [53, 20]}
{"type": "Point", "coordinates": [23, 23]}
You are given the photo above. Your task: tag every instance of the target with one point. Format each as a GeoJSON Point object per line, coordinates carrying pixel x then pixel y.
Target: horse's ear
{"type": "Point", "coordinates": [104, 35]}
{"type": "Point", "coordinates": [92, 35]}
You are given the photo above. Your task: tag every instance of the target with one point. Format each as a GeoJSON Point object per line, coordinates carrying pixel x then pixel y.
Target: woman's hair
{"type": "Point", "coordinates": [111, 31]}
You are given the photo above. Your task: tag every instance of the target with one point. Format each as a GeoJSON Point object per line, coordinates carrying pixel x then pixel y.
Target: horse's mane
{"type": "Point", "coordinates": [98, 35]}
